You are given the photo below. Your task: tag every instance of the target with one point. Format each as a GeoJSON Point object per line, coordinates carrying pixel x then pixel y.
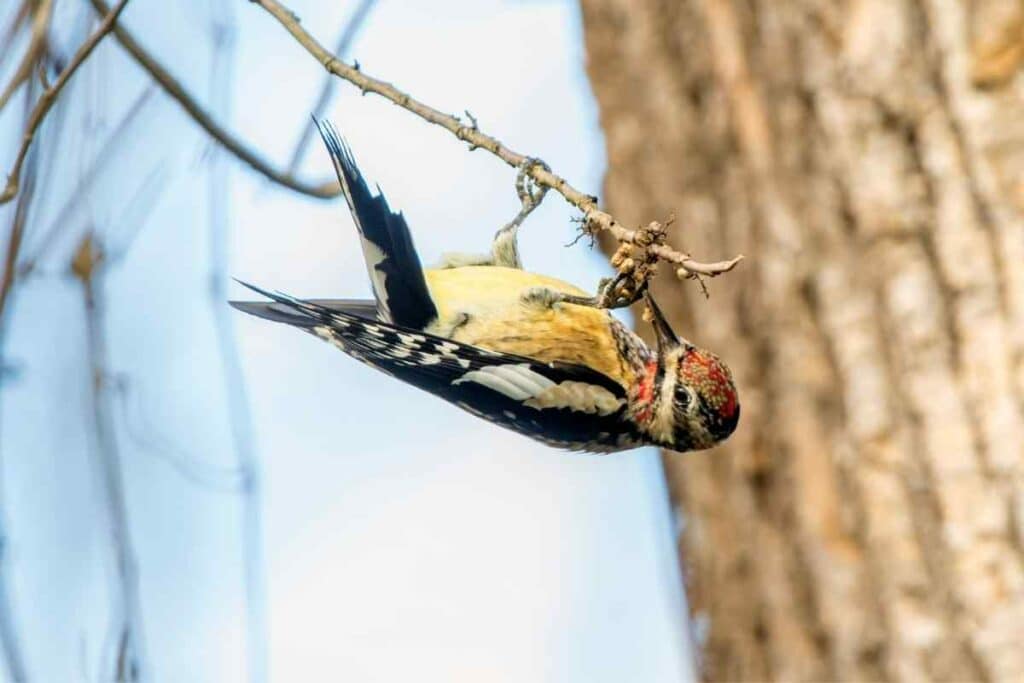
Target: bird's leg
{"type": "Point", "coordinates": [609, 295]}
{"type": "Point", "coordinates": [549, 297]}
{"type": "Point", "coordinates": [505, 247]}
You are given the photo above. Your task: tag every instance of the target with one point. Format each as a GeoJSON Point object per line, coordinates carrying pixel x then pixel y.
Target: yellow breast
{"type": "Point", "coordinates": [484, 306]}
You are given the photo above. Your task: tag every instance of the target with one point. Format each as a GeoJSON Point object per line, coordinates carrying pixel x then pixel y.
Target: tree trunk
{"type": "Point", "coordinates": [866, 521]}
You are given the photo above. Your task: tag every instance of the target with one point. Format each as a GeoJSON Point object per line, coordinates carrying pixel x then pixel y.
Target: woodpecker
{"type": "Point", "coordinates": [507, 345]}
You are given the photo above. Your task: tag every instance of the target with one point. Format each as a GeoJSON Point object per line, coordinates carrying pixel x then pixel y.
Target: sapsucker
{"type": "Point", "coordinates": [496, 341]}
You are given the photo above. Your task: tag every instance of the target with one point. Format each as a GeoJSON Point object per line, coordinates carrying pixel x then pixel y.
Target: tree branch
{"type": "Point", "coordinates": [594, 220]}
{"type": "Point", "coordinates": [49, 96]}
{"type": "Point", "coordinates": [130, 662]}
{"type": "Point", "coordinates": [225, 138]}
{"type": "Point", "coordinates": [10, 645]}
{"type": "Point", "coordinates": [118, 137]}
{"type": "Point", "coordinates": [237, 402]}
{"type": "Point", "coordinates": [36, 49]}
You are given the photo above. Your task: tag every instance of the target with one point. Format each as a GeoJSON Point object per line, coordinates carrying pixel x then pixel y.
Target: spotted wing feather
{"type": "Point", "coordinates": [561, 404]}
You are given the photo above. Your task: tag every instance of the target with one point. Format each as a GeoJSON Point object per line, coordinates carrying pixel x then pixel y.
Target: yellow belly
{"type": "Point", "coordinates": [490, 300]}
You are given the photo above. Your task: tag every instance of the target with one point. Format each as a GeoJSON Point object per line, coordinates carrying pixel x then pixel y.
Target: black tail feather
{"type": "Point", "coordinates": [391, 258]}
{"type": "Point", "coordinates": [282, 313]}
{"type": "Point", "coordinates": [282, 308]}
{"type": "Point", "coordinates": [272, 310]}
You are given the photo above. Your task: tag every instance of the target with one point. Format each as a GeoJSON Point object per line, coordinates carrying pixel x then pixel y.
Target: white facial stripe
{"type": "Point", "coordinates": [663, 425]}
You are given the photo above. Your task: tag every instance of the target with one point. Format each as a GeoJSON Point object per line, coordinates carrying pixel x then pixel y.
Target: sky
{"type": "Point", "coordinates": [402, 537]}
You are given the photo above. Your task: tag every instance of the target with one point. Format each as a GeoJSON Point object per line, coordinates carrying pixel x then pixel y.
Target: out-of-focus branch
{"type": "Point", "coordinates": [49, 96]}
{"type": "Point", "coordinates": [215, 130]}
{"type": "Point", "coordinates": [348, 34]}
{"type": "Point", "coordinates": [238, 413]}
{"type": "Point", "coordinates": [14, 238]}
{"type": "Point", "coordinates": [9, 641]}
{"type": "Point", "coordinates": [594, 220]}
{"type": "Point", "coordinates": [144, 434]}
{"type": "Point", "coordinates": [118, 137]}
{"type": "Point", "coordinates": [129, 663]}
{"type": "Point", "coordinates": [36, 49]}
{"type": "Point", "coordinates": [45, 239]}
{"type": "Point", "coordinates": [19, 17]}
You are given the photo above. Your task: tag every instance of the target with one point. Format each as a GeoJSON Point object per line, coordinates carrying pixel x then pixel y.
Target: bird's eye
{"type": "Point", "coordinates": [683, 397]}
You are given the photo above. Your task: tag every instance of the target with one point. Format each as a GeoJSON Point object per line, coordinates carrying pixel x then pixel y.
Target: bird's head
{"type": "Point", "coordinates": [693, 403]}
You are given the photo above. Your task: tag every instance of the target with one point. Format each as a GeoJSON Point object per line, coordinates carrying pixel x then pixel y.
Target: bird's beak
{"type": "Point", "coordinates": [667, 339]}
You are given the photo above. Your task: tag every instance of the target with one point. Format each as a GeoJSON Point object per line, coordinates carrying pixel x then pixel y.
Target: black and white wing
{"type": "Point", "coordinates": [561, 404]}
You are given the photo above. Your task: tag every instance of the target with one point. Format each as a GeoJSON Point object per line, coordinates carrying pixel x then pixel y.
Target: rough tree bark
{"type": "Point", "coordinates": [866, 521]}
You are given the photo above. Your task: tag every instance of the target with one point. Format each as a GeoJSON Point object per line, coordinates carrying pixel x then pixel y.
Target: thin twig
{"type": "Point", "coordinates": [33, 53]}
{"type": "Point", "coordinates": [129, 663]}
{"type": "Point", "coordinates": [114, 142]}
{"type": "Point", "coordinates": [348, 34]}
{"type": "Point", "coordinates": [14, 240]}
{"type": "Point", "coordinates": [145, 435]}
{"type": "Point", "coordinates": [7, 39]}
{"type": "Point", "coordinates": [595, 220]}
{"type": "Point", "coordinates": [239, 417]}
{"type": "Point", "coordinates": [215, 130]}
{"type": "Point", "coordinates": [9, 641]}
{"type": "Point", "coordinates": [49, 96]}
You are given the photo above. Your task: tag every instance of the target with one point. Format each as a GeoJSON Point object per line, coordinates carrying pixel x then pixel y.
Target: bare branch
{"type": "Point", "coordinates": [594, 219]}
{"type": "Point", "coordinates": [215, 130]}
{"type": "Point", "coordinates": [49, 96]}
{"type": "Point", "coordinates": [35, 50]}
{"type": "Point", "coordinates": [20, 16]}
{"type": "Point", "coordinates": [348, 34]}
{"type": "Point", "coordinates": [14, 239]}
{"type": "Point", "coordinates": [145, 435]}
{"type": "Point", "coordinates": [238, 411]}
{"type": "Point", "coordinates": [88, 266]}
{"type": "Point", "coordinates": [118, 137]}
{"type": "Point", "coordinates": [9, 641]}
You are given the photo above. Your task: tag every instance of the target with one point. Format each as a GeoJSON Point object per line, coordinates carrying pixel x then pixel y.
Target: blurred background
{"type": "Point", "coordinates": [292, 515]}
{"type": "Point", "coordinates": [188, 494]}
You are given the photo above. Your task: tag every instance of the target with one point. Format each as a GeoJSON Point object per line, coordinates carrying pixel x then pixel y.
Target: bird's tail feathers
{"type": "Point", "coordinates": [282, 308]}
{"type": "Point", "coordinates": [392, 262]}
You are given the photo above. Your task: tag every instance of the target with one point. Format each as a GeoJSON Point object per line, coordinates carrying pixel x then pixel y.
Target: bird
{"type": "Point", "coordinates": [519, 349]}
